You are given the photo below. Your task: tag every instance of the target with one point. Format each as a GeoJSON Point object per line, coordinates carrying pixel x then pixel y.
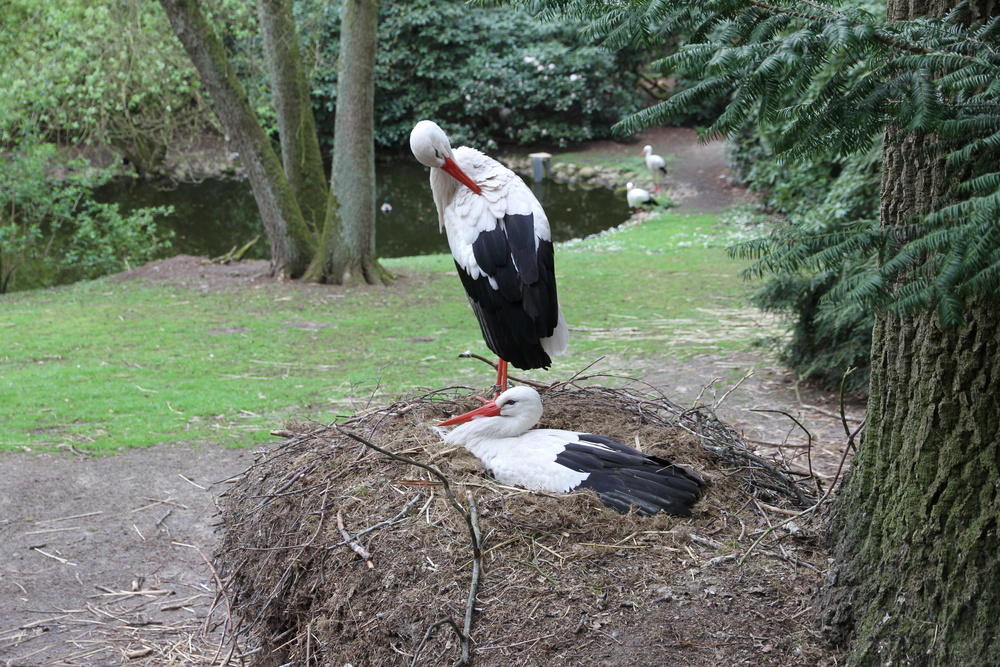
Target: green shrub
{"type": "Point", "coordinates": [51, 229]}
{"type": "Point", "coordinates": [827, 339]}
{"type": "Point", "coordinates": [111, 73]}
{"type": "Point", "coordinates": [819, 201]}
{"type": "Point", "coordinates": [489, 75]}
{"type": "Point", "coordinates": [99, 72]}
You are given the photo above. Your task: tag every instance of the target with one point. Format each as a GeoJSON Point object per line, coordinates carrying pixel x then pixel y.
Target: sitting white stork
{"type": "Point", "coordinates": [500, 240]}
{"type": "Point", "coordinates": [500, 433]}
{"type": "Point", "coordinates": [637, 197]}
{"type": "Point", "coordinates": [656, 165]}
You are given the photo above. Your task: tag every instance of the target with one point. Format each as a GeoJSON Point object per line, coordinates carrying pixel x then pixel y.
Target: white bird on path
{"type": "Point", "coordinates": [637, 197]}
{"type": "Point", "coordinates": [656, 165]}
{"type": "Point", "coordinates": [500, 433]}
{"type": "Point", "coordinates": [500, 240]}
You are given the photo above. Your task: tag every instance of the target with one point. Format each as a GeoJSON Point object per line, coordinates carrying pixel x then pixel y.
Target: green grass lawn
{"type": "Point", "coordinates": [100, 365]}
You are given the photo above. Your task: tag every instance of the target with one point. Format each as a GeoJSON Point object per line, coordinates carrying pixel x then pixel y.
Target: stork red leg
{"type": "Point", "coordinates": [501, 385]}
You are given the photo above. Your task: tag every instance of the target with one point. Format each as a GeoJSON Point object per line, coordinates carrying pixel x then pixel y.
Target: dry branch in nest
{"type": "Point", "coordinates": [559, 572]}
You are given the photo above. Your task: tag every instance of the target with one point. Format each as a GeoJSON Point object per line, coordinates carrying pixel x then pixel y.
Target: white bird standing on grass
{"type": "Point", "coordinates": [637, 197]}
{"type": "Point", "coordinates": [500, 433]}
{"type": "Point", "coordinates": [500, 240]}
{"type": "Point", "coordinates": [656, 165]}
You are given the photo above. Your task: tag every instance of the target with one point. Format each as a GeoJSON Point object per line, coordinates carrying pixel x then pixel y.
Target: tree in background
{"type": "Point", "coordinates": [492, 75]}
{"type": "Point", "coordinates": [290, 90]}
{"type": "Point", "coordinates": [292, 243]}
{"type": "Point", "coordinates": [347, 252]}
{"type": "Point", "coordinates": [331, 253]}
{"type": "Point", "coordinates": [915, 525]}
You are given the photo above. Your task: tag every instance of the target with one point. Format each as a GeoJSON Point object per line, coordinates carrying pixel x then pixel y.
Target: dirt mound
{"type": "Point", "coordinates": [200, 273]}
{"type": "Point", "coordinates": [336, 554]}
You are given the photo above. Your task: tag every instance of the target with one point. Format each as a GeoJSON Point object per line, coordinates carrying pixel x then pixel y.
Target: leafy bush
{"type": "Point", "coordinates": [51, 229]}
{"type": "Point", "coordinates": [822, 199]}
{"type": "Point", "coordinates": [489, 75]}
{"type": "Point", "coordinates": [827, 339]}
{"type": "Point", "coordinates": [102, 72]}
{"type": "Point", "coordinates": [111, 72]}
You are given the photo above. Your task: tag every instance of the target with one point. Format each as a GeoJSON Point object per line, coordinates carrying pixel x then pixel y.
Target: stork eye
{"type": "Point", "coordinates": [511, 402]}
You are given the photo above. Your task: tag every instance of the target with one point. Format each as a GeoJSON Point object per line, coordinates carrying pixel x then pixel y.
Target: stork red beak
{"type": "Point", "coordinates": [488, 409]}
{"type": "Point", "coordinates": [456, 172]}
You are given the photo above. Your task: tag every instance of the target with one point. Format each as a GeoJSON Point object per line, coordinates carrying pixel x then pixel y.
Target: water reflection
{"type": "Point", "coordinates": [209, 217]}
{"type": "Point", "coordinates": [213, 216]}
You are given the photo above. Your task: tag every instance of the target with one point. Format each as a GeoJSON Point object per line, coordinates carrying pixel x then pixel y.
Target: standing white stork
{"type": "Point", "coordinates": [637, 197]}
{"type": "Point", "coordinates": [500, 433]}
{"type": "Point", "coordinates": [656, 165]}
{"type": "Point", "coordinates": [500, 240]}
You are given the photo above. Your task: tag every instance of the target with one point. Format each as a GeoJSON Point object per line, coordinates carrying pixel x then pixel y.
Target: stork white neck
{"type": "Point", "coordinates": [431, 147]}
{"type": "Point", "coordinates": [511, 415]}
{"type": "Point", "coordinates": [443, 188]}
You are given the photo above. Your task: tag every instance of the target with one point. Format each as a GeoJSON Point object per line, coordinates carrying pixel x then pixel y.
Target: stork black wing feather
{"type": "Point", "coordinates": [493, 254]}
{"type": "Point", "coordinates": [545, 293]}
{"type": "Point", "coordinates": [622, 477]}
{"type": "Point", "coordinates": [613, 444]}
{"type": "Point", "coordinates": [521, 237]}
{"type": "Point", "coordinates": [644, 504]}
{"type": "Point", "coordinates": [520, 306]}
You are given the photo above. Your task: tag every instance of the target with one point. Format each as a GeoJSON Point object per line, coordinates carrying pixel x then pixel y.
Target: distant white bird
{"type": "Point", "coordinates": [656, 165]}
{"type": "Point", "coordinates": [386, 206]}
{"type": "Point", "coordinates": [637, 197]}
{"type": "Point", "coordinates": [500, 433]}
{"type": "Point", "coordinates": [500, 240]}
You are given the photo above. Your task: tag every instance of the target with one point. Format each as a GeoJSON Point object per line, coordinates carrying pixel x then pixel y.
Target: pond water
{"type": "Point", "coordinates": [215, 215]}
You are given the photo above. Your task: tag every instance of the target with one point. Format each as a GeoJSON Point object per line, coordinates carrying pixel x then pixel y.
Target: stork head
{"type": "Point", "coordinates": [520, 405]}
{"type": "Point", "coordinates": [431, 147]}
{"type": "Point", "coordinates": [628, 186]}
{"type": "Point", "coordinates": [647, 150]}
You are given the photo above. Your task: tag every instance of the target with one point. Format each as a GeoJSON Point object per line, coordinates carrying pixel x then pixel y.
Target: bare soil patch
{"type": "Point", "coordinates": [105, 557]}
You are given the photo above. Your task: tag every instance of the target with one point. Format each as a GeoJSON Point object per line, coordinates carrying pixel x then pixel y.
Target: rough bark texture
{"type": "Point", "coordinates": [300, 153]}
{"type": "Point", "coordinates": [347, 248]}
{"type": "Point", "coordinates": [917, 553]}
{"type": "Point", "coordinates": [291, 243]}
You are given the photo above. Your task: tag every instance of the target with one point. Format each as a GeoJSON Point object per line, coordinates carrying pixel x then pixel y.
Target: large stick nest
{"type": "Point", "coordinates": [563, 577]}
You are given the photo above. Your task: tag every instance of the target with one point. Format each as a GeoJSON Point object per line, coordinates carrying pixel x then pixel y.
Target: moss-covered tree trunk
{"type": "Point", "coordinates": [347, 247]}
{"type": "Point", "coordinates": [291, 242]}
{"type": "Point", "coordinates": [300, 153]}
{"type": "Point", "coordinates": [917, 554]}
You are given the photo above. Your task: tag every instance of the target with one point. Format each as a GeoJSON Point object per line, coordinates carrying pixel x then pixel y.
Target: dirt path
{"type": "Point", "coordinates": [104, 558]}
{"type": "Point", "coordinates": [697, 176]}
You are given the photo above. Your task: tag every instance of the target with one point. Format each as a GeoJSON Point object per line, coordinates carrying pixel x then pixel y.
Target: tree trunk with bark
{"type": "Point", "coordinates": [291, 243]}
{"type": "Point", "coordinates": [347, 247]}
{"type": "Point", "coordinates": [915, 527]}
{"type": "Point", "coordinates": [300, 152]}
